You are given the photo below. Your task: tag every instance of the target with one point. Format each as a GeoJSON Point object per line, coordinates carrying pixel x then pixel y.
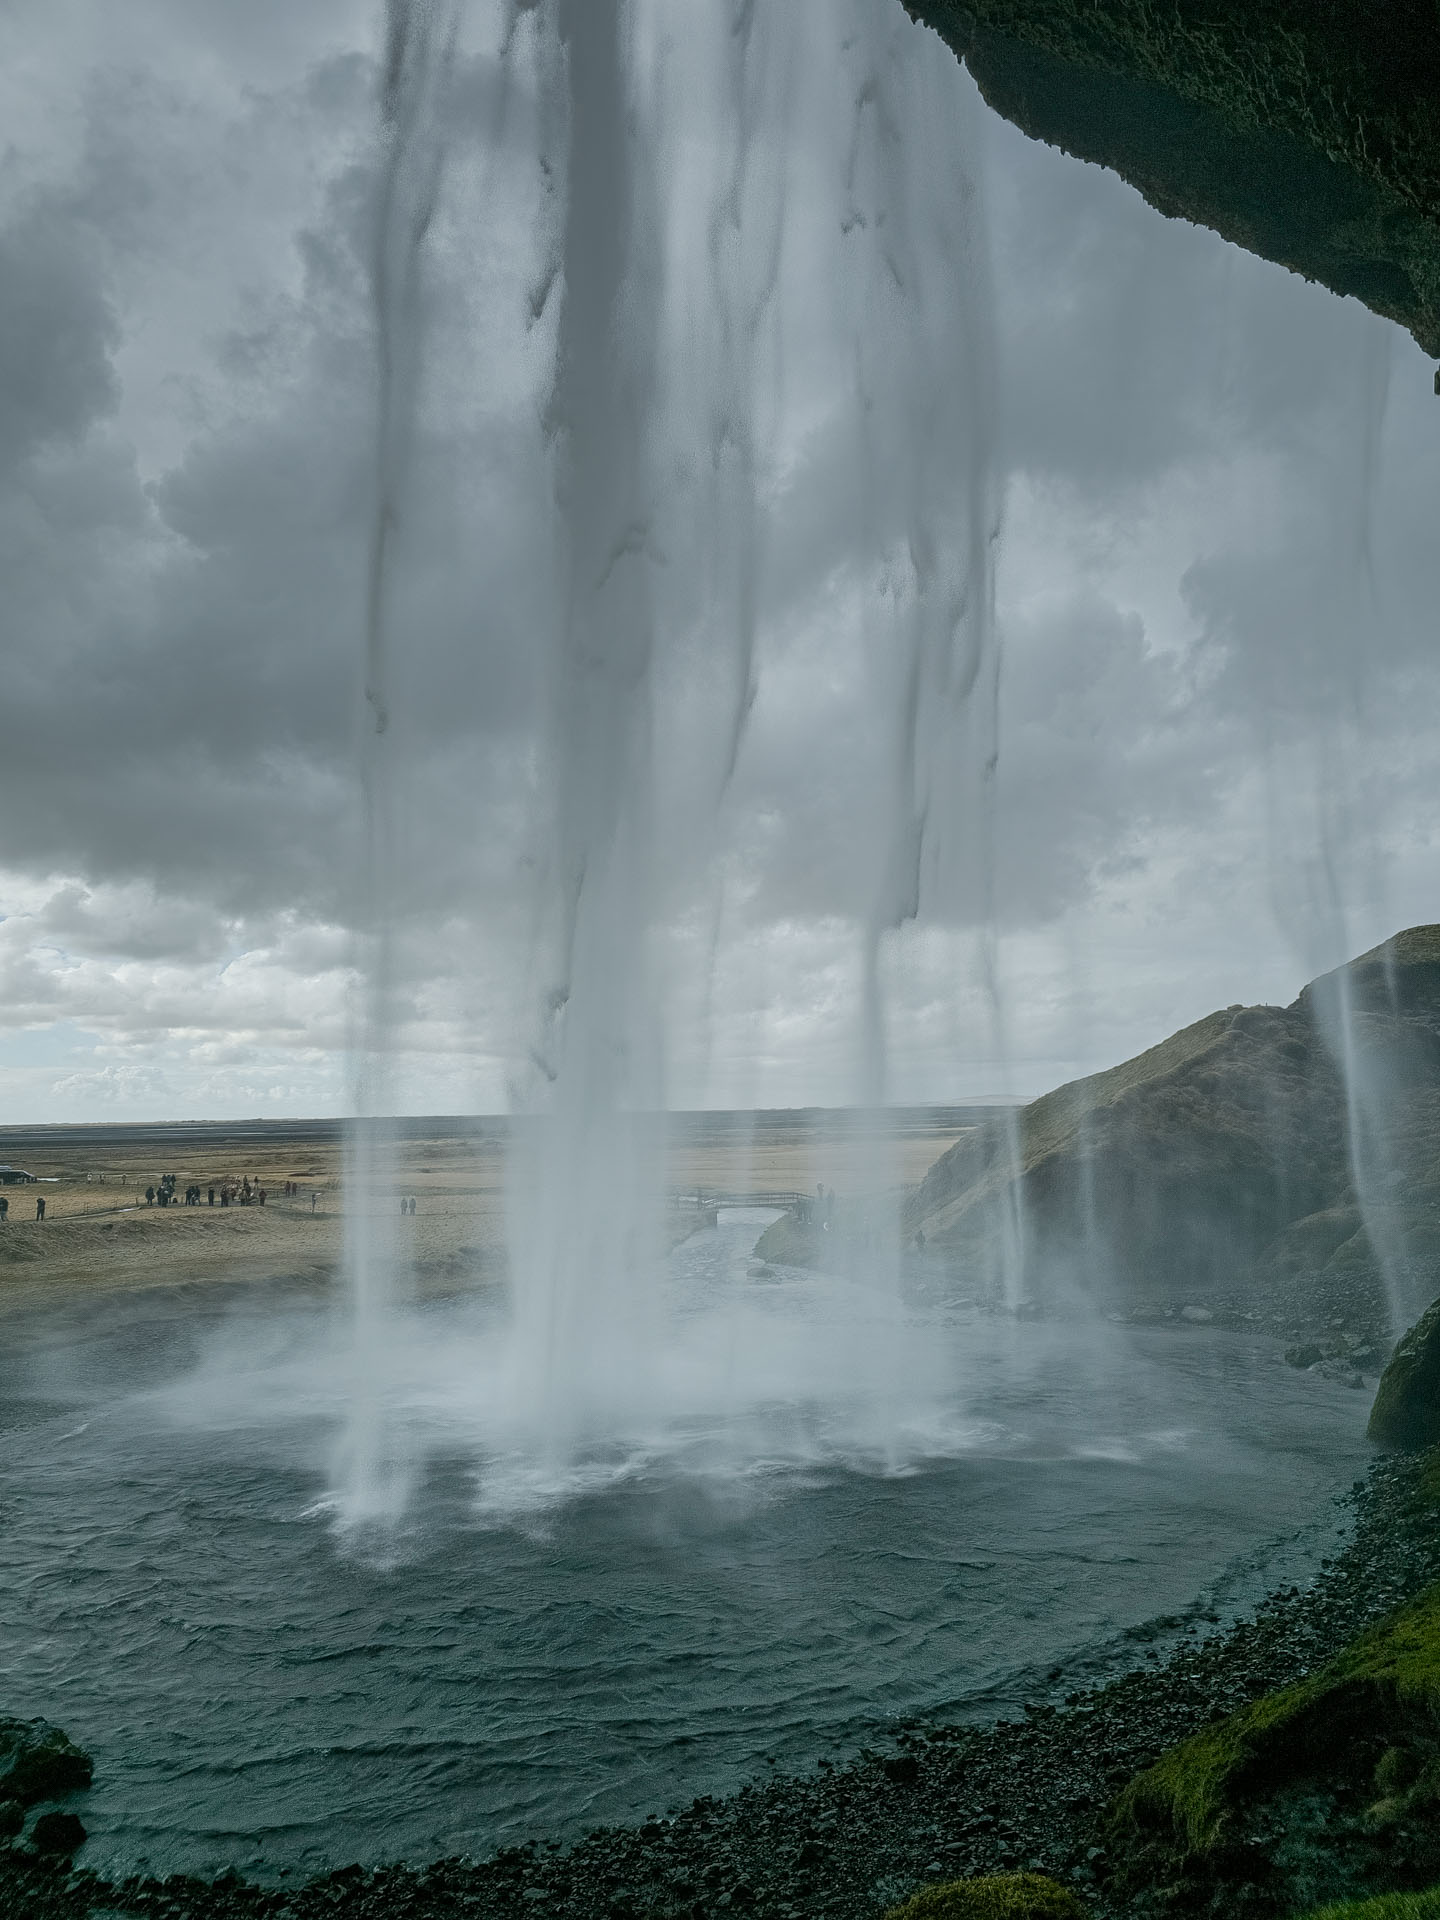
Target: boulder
{"type": "Point", "coordinates": [1406, 1412]}
{"type": "Point", "coordinates": [992, 1896]}
{"type": "Point", "coordinates": [57, 1833]}
{"type": "Point", "coordinates": [791, 1242]}
{"type": "Point", "coordinates": [39, 1762]}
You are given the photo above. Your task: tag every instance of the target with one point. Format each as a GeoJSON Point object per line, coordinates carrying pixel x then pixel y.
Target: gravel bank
{"type": "Point", "coordinates": [846, 1842]}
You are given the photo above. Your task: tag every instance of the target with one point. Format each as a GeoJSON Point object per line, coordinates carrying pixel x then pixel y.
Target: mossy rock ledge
{"type": "Point", "coordinates": [1406, 1412]}
{"type": "Point", "coordinates": [1328, 1790]}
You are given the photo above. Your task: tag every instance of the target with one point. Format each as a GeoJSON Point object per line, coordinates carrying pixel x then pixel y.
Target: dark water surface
{"type": "Point", "coordinates": [256, 1693]}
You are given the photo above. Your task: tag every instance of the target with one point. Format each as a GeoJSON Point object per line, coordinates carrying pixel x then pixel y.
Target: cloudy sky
{"type": "Point", "coordinates": [1215, 577]}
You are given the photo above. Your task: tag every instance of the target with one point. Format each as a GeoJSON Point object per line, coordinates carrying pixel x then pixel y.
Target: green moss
{"type": "Point", "coordinates": [1385, 1906]}
{"type": "Point", "coordinates": [1386, 1682]}
{"type": "Point", "coordinates": [994, 1896]}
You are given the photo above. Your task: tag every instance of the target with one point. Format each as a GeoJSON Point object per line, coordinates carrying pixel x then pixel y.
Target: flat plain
{"type": "Point", "coordinates": [99, 1231]}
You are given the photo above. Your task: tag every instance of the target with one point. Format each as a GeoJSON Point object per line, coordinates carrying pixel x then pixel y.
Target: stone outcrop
{"type": "Point", "coordinates": [1307, 131]}
{"type": "Point", "coordinates": [1223, 1163]}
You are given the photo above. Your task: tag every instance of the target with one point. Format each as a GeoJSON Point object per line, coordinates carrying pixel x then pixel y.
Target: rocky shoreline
{"type": "Point", "coordinates": [939, 1804]}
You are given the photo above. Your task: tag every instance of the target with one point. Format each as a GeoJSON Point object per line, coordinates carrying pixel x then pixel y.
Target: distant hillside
{"type": "Point", "coordinates": [1227, 1165]}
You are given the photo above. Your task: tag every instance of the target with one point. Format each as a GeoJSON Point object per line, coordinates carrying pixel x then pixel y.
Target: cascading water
{"type": "Point", "coordinates": [584, 1242]}
{"type": "Point", "coordinates": [1323, 863]}
{"type": "Point", "coordinates": [696, 439]}
{"type": "Point", "coordinates": [419, 46]}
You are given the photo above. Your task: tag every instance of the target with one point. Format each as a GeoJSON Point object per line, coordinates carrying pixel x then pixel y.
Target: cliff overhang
{"type": "Point", "coordinates": [1306, 131]}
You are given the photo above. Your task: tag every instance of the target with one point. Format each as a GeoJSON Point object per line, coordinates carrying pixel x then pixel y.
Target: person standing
{"type": "Point", "coordinates": [39, 1206]}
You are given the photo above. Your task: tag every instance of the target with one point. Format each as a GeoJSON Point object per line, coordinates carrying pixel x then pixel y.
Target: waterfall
{"type": "Point", "coordinates": [772, 339]}
{"type": "Point", "coordinates": [419, 45]}
{"type": "Point", "coordinates": [583, 1249]}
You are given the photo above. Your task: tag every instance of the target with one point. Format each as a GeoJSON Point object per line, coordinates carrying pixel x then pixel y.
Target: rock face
{"type": "Point", "coordinates": [1319, 1792]}
{"type": "Point", "coordinates": [1307, 133]}
{"type": "Point", "coordinates": [1406, 1412]}
{"type": "Point", "coordinates": [1232, 1162]}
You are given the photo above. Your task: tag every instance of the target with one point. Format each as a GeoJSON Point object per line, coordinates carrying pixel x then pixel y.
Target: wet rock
{"type": "Point", "coordinates": [58, 1833]}
{"type": "Point", "coordinates": [39, 1762]}
{"type": "Point", "coordinates": [1406, 1412]}
{"type": "Point", "coordinates": [1197, 1316]}
{"type": "Point", "coordinates": [1305, 1355]}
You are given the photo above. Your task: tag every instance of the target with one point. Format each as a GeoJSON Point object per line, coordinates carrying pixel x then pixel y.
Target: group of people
{"type": "Point", "coordinates": [231, 1193]}
{"type": "Point", "coordinates": [407, 1205]}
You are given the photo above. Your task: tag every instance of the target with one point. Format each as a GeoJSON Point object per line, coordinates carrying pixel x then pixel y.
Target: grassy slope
{"type": "Point", "coordinates": [1233, 1129]}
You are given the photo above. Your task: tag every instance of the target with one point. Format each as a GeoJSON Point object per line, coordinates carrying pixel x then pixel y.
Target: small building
{"type": "Point", "coordinates": [17, 1177]}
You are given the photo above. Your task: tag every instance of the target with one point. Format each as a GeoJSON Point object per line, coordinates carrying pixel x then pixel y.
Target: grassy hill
{"type": "Point", "coordinates": [1286, 1154]}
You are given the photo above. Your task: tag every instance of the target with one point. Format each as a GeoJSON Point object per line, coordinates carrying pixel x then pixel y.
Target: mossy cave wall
{"type": "Point", "coordinates": [1307, 131]}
